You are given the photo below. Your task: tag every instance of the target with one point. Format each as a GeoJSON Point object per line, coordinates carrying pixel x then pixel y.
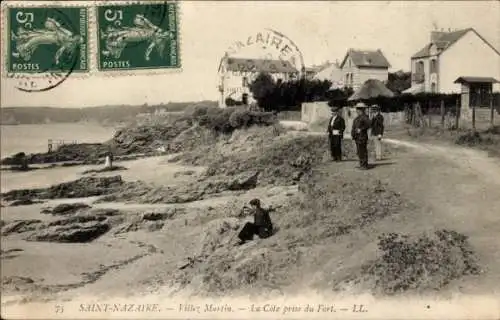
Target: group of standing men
{"type": "Point", "coordinates": [359, 133]}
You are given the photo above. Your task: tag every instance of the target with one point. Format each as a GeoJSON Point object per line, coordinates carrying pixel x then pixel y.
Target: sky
{"type": "Point", "coordinates": [322, 31]}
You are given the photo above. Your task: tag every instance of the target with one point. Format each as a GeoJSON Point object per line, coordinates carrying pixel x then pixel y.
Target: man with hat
{"type": "Point", "coordinates": [377, 131]}
{"type": "Point", "coordinates": [336, 128]}
{"type": "Point", "coordinates": [359, 133]}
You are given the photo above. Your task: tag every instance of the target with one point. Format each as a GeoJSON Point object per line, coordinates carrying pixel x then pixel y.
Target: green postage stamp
{"type": "Point", "coordinates": [137, 36]}
{"type": "Point", "coordinates": [47, 39]}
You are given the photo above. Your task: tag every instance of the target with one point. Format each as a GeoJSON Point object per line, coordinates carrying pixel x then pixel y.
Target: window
{"type": "Point", "coordinates": [433, 87]}
{"type": "Point", "coordinates": [420, 67]}
{"type": "Point", "coordinates": [433, 66]}
{"type": "Point", "coordinates": [479, 95]}
{"type": "Point", "coordinates": [245, 82]}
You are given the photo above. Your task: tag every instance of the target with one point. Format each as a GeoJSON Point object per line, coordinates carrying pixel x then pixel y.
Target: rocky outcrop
{"type": "Point", "coordinates": [71, 232]}
{"type": "Point", "coordinates": [20, 226]}
{"type": "Point", "coordinates": [66, 209]}
{"type": "Point", "coordinates": [81, 188]}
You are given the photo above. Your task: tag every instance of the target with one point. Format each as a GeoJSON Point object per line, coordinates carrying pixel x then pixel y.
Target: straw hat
{"type": "Point", "coordinates": [360, 105]}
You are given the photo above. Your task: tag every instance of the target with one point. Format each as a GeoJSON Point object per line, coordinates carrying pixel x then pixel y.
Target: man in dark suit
{"type": "Point", "coordinates": [377, 132]}
{"type": "Point", "coordinates": [262, 225]}
{"type": "Point", "coordinates": [336, 128]}
{"type": "Point", "coordinates": [359, 133]}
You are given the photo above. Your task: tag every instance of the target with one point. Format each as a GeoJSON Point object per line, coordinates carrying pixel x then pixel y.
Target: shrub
{"type": "Point", "coordinates": [244, 119]}
{"type": "Point", "coordinates": [472, 138]}
{"type": "Point", "coordinates": [428, 262]}
{"type": "Point", "coordinates": [226, 120]}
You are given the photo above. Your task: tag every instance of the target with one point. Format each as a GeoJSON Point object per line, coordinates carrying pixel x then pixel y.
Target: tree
{"type": "Point", "coordinates": [20, 161]}
{"type": "Point", "coordinates": [399, 81]}
{"type": "Point", "coordinates": [263, 88]}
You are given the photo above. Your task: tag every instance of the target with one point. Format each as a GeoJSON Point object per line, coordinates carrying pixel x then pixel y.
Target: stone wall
{"type": "Point", "coordinates": [319, 112]}
{"type": "Point", "coordinates": [315, 111]}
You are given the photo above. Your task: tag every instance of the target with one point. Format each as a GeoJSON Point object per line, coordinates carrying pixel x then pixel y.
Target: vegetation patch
{"type": "Point", "coordinates": [428, 262]}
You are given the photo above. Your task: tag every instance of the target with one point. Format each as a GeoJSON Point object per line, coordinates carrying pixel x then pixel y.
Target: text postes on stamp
{"type": "Point", "coordinates": [47, 40]}
{"type": "Point", "coordinates": [137, 36]}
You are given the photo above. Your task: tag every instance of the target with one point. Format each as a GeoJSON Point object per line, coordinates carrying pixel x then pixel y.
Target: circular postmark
{"type": "Point", "coordinates": [47, 36]}
{"type": "Point", "coordinates": [265, 51]}
{"type": "Point", "coordinates": [269, 45]}
{"type": "Point", "coordinates": [158, 12]}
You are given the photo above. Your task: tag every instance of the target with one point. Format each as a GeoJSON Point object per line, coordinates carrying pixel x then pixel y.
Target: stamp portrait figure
{"type": "Point", "coordinates": [48, 39]}
{"type": "Point", "coordinates": [27, 41]}
{"type": "Point", "coordinates": [117, 38]}
{"type": "Point", "coordinates": [137, 36]}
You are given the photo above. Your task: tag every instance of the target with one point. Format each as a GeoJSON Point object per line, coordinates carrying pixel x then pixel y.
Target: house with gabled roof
{"type": "Point", "coordinates": [358, 66]}
{"type": "Point", "coordinates": [236, 75]}
{"type": "Point", "coordinates": [332, 73]}
{"type": "Point", "coordinates": [450, 55]}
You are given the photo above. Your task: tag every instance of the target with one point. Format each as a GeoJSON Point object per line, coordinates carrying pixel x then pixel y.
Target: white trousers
{"type": "Point", "coordinates": [107, 164]}
{"type": "Point", "coordinates": [378, 148]}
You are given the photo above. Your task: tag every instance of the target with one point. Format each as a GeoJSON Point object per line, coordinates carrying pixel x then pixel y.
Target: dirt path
{"type": "Point", "coordinates": [458, 189]}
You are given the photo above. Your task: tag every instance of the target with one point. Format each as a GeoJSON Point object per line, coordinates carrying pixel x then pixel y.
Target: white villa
{"type": "Point", "coordinates": [235, 75]}
{"type": "Point", "coordinates": [450, 55]}
{"type": "Point", "coordinates": [358, 66]}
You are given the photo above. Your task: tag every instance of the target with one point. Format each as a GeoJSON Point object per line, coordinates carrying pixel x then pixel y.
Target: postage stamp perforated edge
{"type": "Point", "coordinates": [129, 72]}
{"type": "Point", "coordinates": [6, 5]}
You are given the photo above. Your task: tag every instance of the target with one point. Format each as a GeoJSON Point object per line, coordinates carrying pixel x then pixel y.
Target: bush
{"type": "Point", "coordinates": [493, 130]}
{"type": "Point", "coordinates": [429, 262]}
{"type": "Point", "coordinates": [244, 119]}
{"type": "Point", "coordinates": [472, 138]}
{"type": "Point", "coordinates": [226, 120]}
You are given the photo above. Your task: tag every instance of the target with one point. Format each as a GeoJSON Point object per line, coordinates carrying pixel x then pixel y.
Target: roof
{"type": "Point", "coordinates": [260, 65]}
{"type": "Point", "coordinates": [367, 58]}
{"type": "Point", "coordinates": [446, 40]}
{"type": "Point", "coordinates": [372, 88]}
{"type": "Point", "coordinates": [476, 80]}
{"type": "Point", "coordinates": [331, 73]}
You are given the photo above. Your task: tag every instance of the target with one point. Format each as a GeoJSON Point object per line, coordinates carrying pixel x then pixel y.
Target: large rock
{"type": "Point", "coordinates": [71, 233]}
{"type": "Point", "coordinates": [87, 152]}
{"type": "Point", "coordinates": [20, 226]}
{"type": "Point", "coordinates": [66, 208]}
{"type": "Point", "coordinates": [81, 188]}
{"type": "Point", "coordinates": [244, 181]}
{"type": "Point", "coordinates": [23, 202]}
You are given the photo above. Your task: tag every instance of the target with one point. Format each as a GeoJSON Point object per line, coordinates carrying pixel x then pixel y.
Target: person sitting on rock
{"type": "Point", "coordinates": [262, 225]}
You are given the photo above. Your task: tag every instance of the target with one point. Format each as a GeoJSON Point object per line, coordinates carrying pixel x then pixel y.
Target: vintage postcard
{"type": "Point", "coordinates": [250, 159]}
